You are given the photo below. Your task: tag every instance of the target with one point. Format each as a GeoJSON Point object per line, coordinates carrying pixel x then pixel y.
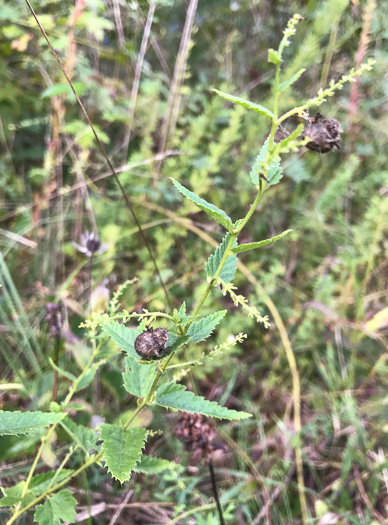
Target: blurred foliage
{"type": "Point", "coordinates": [328, 279]}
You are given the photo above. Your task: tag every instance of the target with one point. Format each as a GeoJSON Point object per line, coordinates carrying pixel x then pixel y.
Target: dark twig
{"type": "Point", "coordinates": [102, 149]}
{"type": "Point", "coordinates": [215, 492]}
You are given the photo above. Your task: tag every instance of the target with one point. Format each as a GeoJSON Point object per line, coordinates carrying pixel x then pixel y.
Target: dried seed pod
{"type": "Point", "coordinates": [198, 435]}
{"type": "Point", "coordinates": [54, 318]}
{"type": "Point", "coordinates": [151, 343]}
{"type": "Point", "coordinates": [324, 134]}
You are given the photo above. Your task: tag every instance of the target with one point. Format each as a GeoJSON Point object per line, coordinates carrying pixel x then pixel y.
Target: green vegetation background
{"type": "Point", "coordinates": [328, 279]}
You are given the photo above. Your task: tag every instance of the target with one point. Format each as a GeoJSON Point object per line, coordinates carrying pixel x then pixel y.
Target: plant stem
{"type": "Point", "coordinates": [47, 492]}
{"type": "Point", "coordinates": [147, 399]}
{"type": "Point", "coordinates": [163, 366]}
{"type": "Point", "coordinates": [57, 346]}
{"type": "Point", "coordinates": [214, 279]}
{"type": "Point", "coordinates": [275, 121]}
{"type": "Point", "coordinates": [253, 207]}
{"type": "Point", "coordinates": [90, 284]}
{"type": "Point", "coordinates": [215, 492]}
{"type": "Point", "coordinates": [62, 465]}
{"type": "Point", "coordinates": [50, 432]}
{"type": "Point", "coordinates": [44, 440]}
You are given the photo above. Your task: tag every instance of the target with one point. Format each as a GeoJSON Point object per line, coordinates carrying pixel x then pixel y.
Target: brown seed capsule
{"type": "Point", "coordinates": [198, 435]}
{"type": "Point", "coordinates": [324, 134]}
{"type": "Point", "coordinates": [151, 343]}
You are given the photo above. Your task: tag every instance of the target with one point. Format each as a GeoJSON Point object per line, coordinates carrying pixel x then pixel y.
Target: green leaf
{"type": "Point", "coordinates": [153, 465]}
{"type": "Point", "coordinates": [274, 57]}
{"type": "Point", "coordinates": [124, 336]}
{"type": "Point", "coordinates": [38, 485]}
{"type": "Point", "coordinates": [12, 495]}
{"type": "Point", "coordinates": [172, 395]}
{"type": "Point", "coordinates": [181, 317]}
{"type": "Point", "coordinates": [246, 104]}
{"type": "Point", "coordinates": [89, 376]}
{"type": "Point", "coordinates": [60, 371]}
{"type": "Point", "coordinates": [200, 330]}
{"type": "Point", "coordinates": [176, 341]}
{"type": "Point", "coordinates": [230, 266]}
{"type": "Point", "coordinates": [122, 449]}
{"type": "Point", "coordinates": [16, 423]}
{"type": "Point", "coordinates": [284, 85]}
{"type": "Point", "coordinates": [64, 89]}
{"type": "Point", "coordinates": [214, 212]}
{"type": "Point", "coordinates": [260, 244]}
{"type": "Point", "coordinates": [57, 509]}
{"type": "Point", "coordinates": [83, 436]}
{"type": "Point", "coordinates": [182, 311]}
{"type": "Point", "coordinates": [138, 378]}
{"type": "Point", "coordinates": [274, 173]}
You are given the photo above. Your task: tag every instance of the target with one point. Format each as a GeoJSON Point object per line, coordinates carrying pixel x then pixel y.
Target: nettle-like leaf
{"type": "Point", "coordinates": [38, 485]}
{"type": "Point", "coordinates": [274, 56]}
{"type": "Point", "coordinates": [17, 423]}
{"type": "Point", "coordinates": [183, 318]}
{"type": "Point", "coordinates": [287, 83]}
{"type": "Point", "coordinates": [200, 330]}
{"type": "Point", "coordinates": [172, 395]}
{"type": "Point", "coordinates": [153, 465]}
{"type": "Point", "coordinates": [274, 173]}
{"type": "Point", "coordinates": [122, 449]}
{"type": "Point", "coordinates": [175, 341]}
{"type": "Point", "coordinates": [230, 266]}
{"type": "Point", "coordinates": [123, 336]}
{"type": "Point", "coordinates": [246, 104]}
{"type": "Point", "coordinates": [83, 436]}
{"type": "Point", "coordinates": [259, 244]}
{"type": "Point", "coordinates": [138, 377]}
{"type": "Point", "coordinates": [182, 311]}
{"type": "Point", "coordinates": [215, 213]}
{"type": "Point", "coordinates": [57, 509]}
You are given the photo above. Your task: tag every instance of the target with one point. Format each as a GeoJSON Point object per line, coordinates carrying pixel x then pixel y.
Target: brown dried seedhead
{"type": "Point", "coordinates": [324, 134]}
{"type": "Point", "coordinates": [197, 434]}
{"type": "Point", "coordinates": [54, 318]}
{"type": "Point", "coordinates": [151, 343]}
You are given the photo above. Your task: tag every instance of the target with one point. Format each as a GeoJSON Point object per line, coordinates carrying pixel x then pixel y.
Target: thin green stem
{"type": "Point", "coordinates": [147, 399]}
{"type": "Point", "coordinates": [51, 430]}
{"type": "Point", "coordinates": [74, 387]}
{"type": "Point", "coordinates": [214, 279]}
{"type": "Point", "coordinates": [47, 492]}
{"type": "Point", "coordinates": [178, 365]}
{"type": "Point", "coordinates": [253, 207]}
{"type": "Point", "coordinates": [275, 121]}
{"type": "Point", "coordinates": [140, 316]}
{"type": "Point", "coordinates": [45, 439]}
{"type": "Point", "coordinates": [294, 111]}
{"type": "Point", "coordinates": [62, 465]}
